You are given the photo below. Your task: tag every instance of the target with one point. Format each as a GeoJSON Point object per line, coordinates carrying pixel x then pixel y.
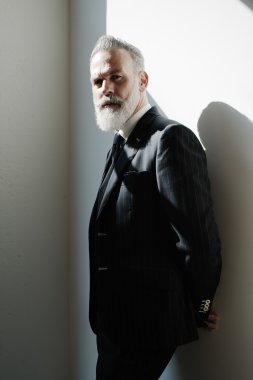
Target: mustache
{"type": "Point", "coordinates": [117, 100]}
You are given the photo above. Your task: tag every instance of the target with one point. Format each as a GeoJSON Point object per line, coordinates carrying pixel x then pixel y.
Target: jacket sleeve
{"type": "Point", "coordinates": [184, 187]}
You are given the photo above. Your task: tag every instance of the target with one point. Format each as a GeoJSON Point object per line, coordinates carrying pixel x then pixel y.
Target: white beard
{"type": "Point", "coordinates": [109, 119]}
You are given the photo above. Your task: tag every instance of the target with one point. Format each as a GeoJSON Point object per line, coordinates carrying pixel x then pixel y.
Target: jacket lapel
{"type": "Point", "coordinates": [127, 154]}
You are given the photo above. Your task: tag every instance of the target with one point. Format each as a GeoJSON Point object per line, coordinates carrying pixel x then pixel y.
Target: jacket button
{"type": "Point", "coordinates": [205, 305]}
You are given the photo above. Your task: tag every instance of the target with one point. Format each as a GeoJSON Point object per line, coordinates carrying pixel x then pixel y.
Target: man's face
{"type": "Point", "coordinates": [115, 87]}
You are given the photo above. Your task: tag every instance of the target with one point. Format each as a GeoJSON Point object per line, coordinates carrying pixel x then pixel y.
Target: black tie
{"type": "Point", "coordinates": [118, 141]}
{"type": "Point", "coordinates": [117, 146]}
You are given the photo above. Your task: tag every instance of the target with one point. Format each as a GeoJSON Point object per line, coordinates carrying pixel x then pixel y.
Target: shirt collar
{"type": "Point", "coordinates": [132, 121]}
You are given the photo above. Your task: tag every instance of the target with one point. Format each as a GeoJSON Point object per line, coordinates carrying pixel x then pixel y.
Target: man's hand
{"type": "Point", "coordinates": [212, 322]}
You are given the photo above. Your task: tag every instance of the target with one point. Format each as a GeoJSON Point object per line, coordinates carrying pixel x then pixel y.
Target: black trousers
{"type": "Point", "coordinates": [115, 363]}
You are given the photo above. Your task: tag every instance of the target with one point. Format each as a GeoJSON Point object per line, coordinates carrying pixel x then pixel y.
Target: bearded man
{"type": "Point", "coordinates": [154, 247]}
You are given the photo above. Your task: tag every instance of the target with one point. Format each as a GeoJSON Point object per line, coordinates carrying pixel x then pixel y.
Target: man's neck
{"type": "Point", "coordinates": [128, 127]}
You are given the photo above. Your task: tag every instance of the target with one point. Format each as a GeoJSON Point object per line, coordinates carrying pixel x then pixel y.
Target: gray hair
{"type": "Point", "coordinates": [107, 42]}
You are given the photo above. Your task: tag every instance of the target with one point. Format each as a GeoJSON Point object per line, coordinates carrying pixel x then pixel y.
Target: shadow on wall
{"type": "Point", "coordinates": [249, 3]}
{"type": "Point", "coordinates": [227, 136]}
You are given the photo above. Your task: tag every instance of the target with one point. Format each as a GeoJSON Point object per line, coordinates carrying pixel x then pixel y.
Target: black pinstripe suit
{"type": "Point", "coordinates": [154, 246]}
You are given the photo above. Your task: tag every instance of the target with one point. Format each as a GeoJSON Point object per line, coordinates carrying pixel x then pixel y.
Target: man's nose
{"type": "Point", "coordinates": [107, 88]}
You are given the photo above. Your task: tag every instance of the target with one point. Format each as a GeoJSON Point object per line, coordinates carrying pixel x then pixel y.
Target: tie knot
{"type": "Point", "coordinates": [118, 139]}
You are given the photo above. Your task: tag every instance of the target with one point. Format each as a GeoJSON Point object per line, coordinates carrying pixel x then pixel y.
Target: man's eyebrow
{"type": "Point", "coordinates": [109, 72]}
{"type": "Point", "coordinates": [116, 71]}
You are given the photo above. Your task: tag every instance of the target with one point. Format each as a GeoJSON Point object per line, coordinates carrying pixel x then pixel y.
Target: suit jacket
{"type": "Point", "coordinates": [154, 247]}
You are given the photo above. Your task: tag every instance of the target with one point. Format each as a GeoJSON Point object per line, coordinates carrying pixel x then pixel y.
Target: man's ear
{"type": "Point", "coordinates": [143, 81]}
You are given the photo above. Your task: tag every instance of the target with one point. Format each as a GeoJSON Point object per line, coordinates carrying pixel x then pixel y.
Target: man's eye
{"type": "Point", "coordinates": [98, 82]}
{"type": "Point", "coordinates": [116, 77]}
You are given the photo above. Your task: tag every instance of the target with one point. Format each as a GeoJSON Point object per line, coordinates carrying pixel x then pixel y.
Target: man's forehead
{"type": "Point", "coordinates": [99, 68]}
{"type": "Point", "coordinates": [106, 60]}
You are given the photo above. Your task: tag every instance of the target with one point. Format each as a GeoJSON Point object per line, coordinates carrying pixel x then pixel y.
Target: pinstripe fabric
{"type": "Point", "coordinates": [154, 245]}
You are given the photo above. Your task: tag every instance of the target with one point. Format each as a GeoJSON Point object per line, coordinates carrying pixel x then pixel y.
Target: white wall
{"type": "Point", "coordinates": [34, 131]}
{"type": "Point", "coordinates": [199, 58]}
